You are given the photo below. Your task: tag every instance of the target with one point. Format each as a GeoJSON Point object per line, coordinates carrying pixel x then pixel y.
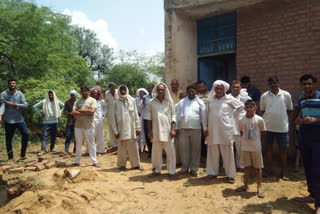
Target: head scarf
{"type": "Point", "coordinates": [74, 92]}
{"type": "Point", "coordinates": [141, 89]}
{"type": "Point", "coordinates": [125, 97]}
{"type": "Point", "coordinates": [47, 111]}
{"type": "Point", "coordinates": [212, 93]}
{"type": "Point", "coordinates": [100, 97]}
{"type": "Point", "coordinates": [167, 95]}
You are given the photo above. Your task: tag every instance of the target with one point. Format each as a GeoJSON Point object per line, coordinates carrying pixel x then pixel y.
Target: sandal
{"type": "Point", "coordinates": [260, 194]}
{"type": "Point", "coordinates": [230, 180]}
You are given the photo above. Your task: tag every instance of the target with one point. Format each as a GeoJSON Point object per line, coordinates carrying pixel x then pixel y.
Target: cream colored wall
{"type": "Point", "coordinates": [181, 49]}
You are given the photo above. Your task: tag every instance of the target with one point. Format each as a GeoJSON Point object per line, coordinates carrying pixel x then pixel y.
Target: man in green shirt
{"type": "Point", "coordinates": [83, 110]}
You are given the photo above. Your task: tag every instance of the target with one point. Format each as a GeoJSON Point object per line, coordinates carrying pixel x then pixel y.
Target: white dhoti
{"type": "Point", "coordinates": [169, 148]}
{"type": "Point", "coordinates": [89, 134]}
{"type": "Point", "coordinates": [237, 142]}
{"type": "Point", "coordinates": [100, 140]}
{"type": "Point", "coordinates": [213, 158]}
{"type": "Point", "coordinates": [113, 140]}
{"type": "Point", "coordinates": [128, 148]}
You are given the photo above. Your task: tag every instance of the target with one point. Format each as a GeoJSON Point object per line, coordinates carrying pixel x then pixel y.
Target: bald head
{"type": "Point", "coordinates": [174, 85]}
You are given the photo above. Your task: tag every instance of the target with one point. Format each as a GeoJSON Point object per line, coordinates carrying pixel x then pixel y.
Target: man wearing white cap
{"type": "Point", "coordinates": [67, 110]}
{"type": "Point", "coordinates": [111, 97]}
{"type": "Point", "coordinates": [161, 126]}
{"type": "Point", "coordinates": [219, 130]}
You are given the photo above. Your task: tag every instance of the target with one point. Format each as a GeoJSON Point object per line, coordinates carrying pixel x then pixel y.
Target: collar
{"type": "Point", "coordinates": [272, 94]}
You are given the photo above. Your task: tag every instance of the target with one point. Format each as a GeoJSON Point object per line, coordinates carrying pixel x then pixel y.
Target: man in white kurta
{"type": "Point", "coordinates": [126, 127]}
{"type": "Point", "coordinates": [190, 112]}
{"type": "Point", "coordinates": [242, 95]}
{"type": "Point", "coordinates": [161, 126]}
{"type": "Point", "coordinates": [99, 115]}
{"type": "Point", "coordinates": [111, 97]}
{"type": "Point", "coordinates": [219, 131]}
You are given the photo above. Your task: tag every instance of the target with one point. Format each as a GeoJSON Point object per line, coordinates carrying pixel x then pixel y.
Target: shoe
{"type": "Point", "coordinates": [182, 172]}
{"type": "Point", "coordinates": [194, 174]}
{"type": "Point", "coordinates": [96, 165]}
{"type": "Point", "coordinates": [75, 164]}
{"type": "Point", "coordinates": [122, 168]}
{"type": "Point", "coordinates": [22, 158]}
{"type": "Point", "coordinates": [172, 177]}
{"type": "Point", "coordinates": [230, 180]}
{"type": "Point", "coordinates": [154, 174]}
{"type": "Point", "coordinates": [139, 168]}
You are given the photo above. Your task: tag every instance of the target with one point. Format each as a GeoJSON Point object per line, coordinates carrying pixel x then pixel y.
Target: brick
{"type": "Point", "coordinates": [16, 170]}
{"type": "Point", "coordinates": [61, 163]}
{"type": "Point", "coordinates": [39, 166]}
{"type": "Point", "coordinates": [50, 165]}
{"type": "Point", "coordinates": [31, 168]}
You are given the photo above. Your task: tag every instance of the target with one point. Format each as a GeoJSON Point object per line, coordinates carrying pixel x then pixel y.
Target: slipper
{"type": "Point", "coordinates": [285, 178]}
{"type": "Point", "coordinates": [260, 194]}
{"type": "Point", "coordinates": [154, 174]}
{"type": "Point", "coordinates": [242, 189]}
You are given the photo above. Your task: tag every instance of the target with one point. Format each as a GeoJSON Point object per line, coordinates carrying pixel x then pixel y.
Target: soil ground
{"type": "Point", "coordinates": [107, 190]}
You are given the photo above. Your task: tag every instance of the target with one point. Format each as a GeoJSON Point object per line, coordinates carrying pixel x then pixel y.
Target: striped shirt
{"type": "Point", "coordinates": [309, 106]}
{"type": "Point", "coordinates": [13, 114]}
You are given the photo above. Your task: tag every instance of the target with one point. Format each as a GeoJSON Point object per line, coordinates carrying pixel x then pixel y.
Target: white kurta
{"type": "Point", "coordinates": [99, 115]}
{"type": "Point", "coordinates": [220, 115]}
{"type": "Point", "coordinates": [220, 119]}
{"type": "Point", "coordinates": [162, 115]}
{"type": "Point", "coordinates": [126, 124]}
{"type": "Point", "coordinates": [110, 101]}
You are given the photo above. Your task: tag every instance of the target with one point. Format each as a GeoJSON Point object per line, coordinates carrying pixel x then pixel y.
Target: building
{"type": "Point", "coordinates": [227, 39]}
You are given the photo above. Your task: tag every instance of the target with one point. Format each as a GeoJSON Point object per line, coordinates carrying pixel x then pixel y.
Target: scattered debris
{"type": "Point", "coordinates": [71, 173]}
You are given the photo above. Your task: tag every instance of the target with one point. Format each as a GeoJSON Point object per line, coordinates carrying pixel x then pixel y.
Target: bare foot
{"type": "Point", "coordinates": [260, 194]}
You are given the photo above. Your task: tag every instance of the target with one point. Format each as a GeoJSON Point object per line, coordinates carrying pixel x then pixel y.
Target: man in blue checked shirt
{"type": "Point", "coordinates": [12, 103]}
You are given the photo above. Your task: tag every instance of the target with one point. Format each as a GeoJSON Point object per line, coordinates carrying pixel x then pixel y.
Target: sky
{"type": "Point", "coordinates": [120, 24]}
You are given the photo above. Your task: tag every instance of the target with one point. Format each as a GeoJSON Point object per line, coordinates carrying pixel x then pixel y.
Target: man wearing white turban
{"type": "Point", "coordinates": [126, 126]}
{"type": "Point", "coordinates": [141, 92]}
{"type": "Point", "coordinates": [51, 111]}
{"type": "Point", "coordinates": [219, 129]}
{"type": "Point", "coordinates": [161, 126]}
{"type": "Point", "coordinates": [111, 97]}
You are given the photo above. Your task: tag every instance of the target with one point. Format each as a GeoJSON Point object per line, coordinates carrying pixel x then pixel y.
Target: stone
{"type": "Point", "coordinates": [31, 164]}
{"type": "Point", "coordinates": [30, 168]}
{"type": "Point", "coordinates": [41, 158]}
{"type": "Point", "coordinates": [6, 167]}
{"type": "Point", "coordinates": [39, 166]}
{"type": "Point", "coordinates": [61, 163]}
{"type": "Point", "coordinates": [71, 173]}
{"type": "Point", "coordinates": [45, 161]}
{"type": "Point", "coordinates": [16, 170]}
{"type": "Point", "coordinates": [50, 165]}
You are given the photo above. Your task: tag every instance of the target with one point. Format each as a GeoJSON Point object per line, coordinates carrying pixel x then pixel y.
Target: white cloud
{"type": "Point", "coordinates": [100, 27]}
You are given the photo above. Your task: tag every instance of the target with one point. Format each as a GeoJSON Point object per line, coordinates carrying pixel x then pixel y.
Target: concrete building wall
{"type": "Point", "coordinates": [279, 37]}
{"type": "Point", "coordinates": [180, 49]}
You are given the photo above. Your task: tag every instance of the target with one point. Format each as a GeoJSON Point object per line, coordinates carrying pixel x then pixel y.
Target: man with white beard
{"type": "Point", "coordinates": [219, 130]}
{"type": "Point", "coordinates": [161, 126]}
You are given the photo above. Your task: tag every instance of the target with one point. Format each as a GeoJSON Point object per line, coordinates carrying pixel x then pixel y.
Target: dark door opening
{"type": "Point", "coordinates": [220, 67]}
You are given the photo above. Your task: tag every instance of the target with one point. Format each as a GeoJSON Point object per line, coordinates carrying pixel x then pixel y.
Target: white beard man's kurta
{"type": "Point", "coordinates": [126, 124]}
{"type": "Point", "coordinates": [162, 115]}
{"type": "Point", "coordinates": [220, 116]}
{"type": "Point", "coordinates": [110, 100]}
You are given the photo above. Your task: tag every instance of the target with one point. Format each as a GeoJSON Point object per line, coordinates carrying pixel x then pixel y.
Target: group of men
{"type": "Point", "coordinates": [176, 121]}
